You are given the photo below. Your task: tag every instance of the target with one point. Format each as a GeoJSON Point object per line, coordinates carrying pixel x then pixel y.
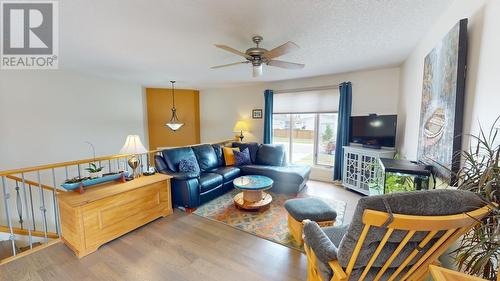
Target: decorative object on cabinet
{"type": "Point", "coordinates": [134, 146]}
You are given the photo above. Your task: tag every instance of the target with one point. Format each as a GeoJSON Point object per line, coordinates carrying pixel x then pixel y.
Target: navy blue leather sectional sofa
{"type": "Point", "coordinates": [190, 190]}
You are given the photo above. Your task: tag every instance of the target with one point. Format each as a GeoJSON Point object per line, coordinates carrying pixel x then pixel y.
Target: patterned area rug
{"type": "Point", "coordinates": [270, 224]}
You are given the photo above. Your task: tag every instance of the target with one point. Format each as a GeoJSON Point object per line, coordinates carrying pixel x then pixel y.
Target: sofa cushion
{"type": "Point", "coordinates": [271, 155]}
{"type": "Point", "coordinates": [220, 154]}
{"type": "Point", "coordinates": [253, 147]}
{"type": "Point", "coordinates": [290, 174]}
{"type": "Point", "coordinates": [173, 156]}
{"type": "Point", "coordinates": [209, 181]}
{"type": "Point", "coordinates": [242, 157]}
{"type": "Point", "coordinates": [189, 165]}
{"type": "Point", "coordinates": [229, 155]}
{"type": "Point", "coordinates": [228, 173]}
{"type": "Point", "coordinates": [207, 159]}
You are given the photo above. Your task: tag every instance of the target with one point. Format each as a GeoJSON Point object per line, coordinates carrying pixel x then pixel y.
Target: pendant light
{"type": "Point", "coordinates": [174, 123]}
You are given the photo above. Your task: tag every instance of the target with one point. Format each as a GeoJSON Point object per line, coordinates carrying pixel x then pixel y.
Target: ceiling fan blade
{"type": "Point", "coordinates": [230, 64]}
{"type": "Point", "coordinates": [281, 50]}
{"type": "Point", "coordinates": [285, 64]}
{"type": "Point", "coordinates": [234, 51]}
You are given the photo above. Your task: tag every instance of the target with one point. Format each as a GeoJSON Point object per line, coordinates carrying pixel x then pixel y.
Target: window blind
{"type": "Point", "coordinates": [311, 101]}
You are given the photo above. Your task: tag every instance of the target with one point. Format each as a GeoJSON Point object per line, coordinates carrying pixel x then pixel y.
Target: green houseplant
{"type": "Point", "coordinates": [479, 251]}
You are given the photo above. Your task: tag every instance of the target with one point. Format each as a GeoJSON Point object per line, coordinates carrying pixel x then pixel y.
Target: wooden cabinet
{"type": "Point", "coordinates": [107, 211]}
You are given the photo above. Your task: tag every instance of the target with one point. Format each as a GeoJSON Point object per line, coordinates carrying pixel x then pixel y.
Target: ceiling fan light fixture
{"type": "Point", "coordinates": [174, 124]}
{"type": "Point", "coordinates": [257, 70]}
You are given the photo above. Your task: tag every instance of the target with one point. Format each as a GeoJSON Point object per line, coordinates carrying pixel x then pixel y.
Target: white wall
{"type": "Point", "coordinates": [483, 84]}
{"type": "Point", "coordinates": [374, 91]}
{"type": "Point", "coordinates": [46, 116]}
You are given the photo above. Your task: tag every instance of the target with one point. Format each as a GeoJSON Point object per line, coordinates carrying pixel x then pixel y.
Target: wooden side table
{"type": "Point", "coordinates": [443, 274]}
{"type": "Point", "coordinates": [105, 212]}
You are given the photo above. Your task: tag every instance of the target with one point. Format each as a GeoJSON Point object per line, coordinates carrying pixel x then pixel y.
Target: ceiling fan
{"type": "Point", "coordinates": [258, 56]}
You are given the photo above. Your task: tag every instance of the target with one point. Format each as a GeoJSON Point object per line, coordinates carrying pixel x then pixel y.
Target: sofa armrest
{"type": "Point", "coordinates": [180, 175]}
{"type": "Point", "coordinates": [319, 242]}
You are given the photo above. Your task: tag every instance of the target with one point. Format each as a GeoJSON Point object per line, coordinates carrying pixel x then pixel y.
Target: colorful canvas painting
{"type": "Point", "coordinates": [441, 112]}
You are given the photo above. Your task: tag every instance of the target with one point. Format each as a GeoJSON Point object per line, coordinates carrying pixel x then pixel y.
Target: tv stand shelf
{"type": "Point", "coordinates": [360, 166]}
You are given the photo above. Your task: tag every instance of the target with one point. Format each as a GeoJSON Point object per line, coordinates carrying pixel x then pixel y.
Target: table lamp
{"type": "Point", "coordinates": [133, 146]}
{"type": "Point", "coordinates": [240, 127]}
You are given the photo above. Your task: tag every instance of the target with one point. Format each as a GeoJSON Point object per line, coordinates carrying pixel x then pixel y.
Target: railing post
{"type": "Point", "coordinates": [43, 210]}
{"type": "Point", "coordinates": [32, 209]}
{"type": "Point", "coordinates": [19, 205]}
{"type": "Point", "coordinates": [54, 200]}
{"type": "Point", "coordinates": [6, 196]}
{"type": "Point", "coordinates": [30, 227]}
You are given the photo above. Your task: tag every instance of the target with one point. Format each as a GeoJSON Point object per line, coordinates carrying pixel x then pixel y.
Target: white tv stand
{"type": "Point", "coordinates": [359, 167]}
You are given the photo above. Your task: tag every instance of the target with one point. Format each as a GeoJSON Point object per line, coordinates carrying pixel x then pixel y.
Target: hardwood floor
{"type": "Point", "coordinates": [179, 247]}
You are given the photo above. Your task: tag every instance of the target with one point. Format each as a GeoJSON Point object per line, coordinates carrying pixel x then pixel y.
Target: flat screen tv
{"type": "Point", "coordinates": [374, 130]}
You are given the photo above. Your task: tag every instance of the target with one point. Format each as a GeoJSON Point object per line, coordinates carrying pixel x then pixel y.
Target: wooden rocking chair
{"type": "Point", "coordinates": [413, 241]}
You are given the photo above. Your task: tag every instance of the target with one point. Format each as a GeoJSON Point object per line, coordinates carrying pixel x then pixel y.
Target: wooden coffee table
{"type": "Point", "coordinates": [252, 196]}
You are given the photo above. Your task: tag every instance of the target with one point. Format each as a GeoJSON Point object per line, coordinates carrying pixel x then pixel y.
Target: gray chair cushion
{"type": "Point", "coordinates": [310, 208]}
{"type": "Point", "coordinates": [321, 245]}
{"type": "Point", "coordinates": [335, 233]}
{"type": "Point", "coordinates": [425, 203]}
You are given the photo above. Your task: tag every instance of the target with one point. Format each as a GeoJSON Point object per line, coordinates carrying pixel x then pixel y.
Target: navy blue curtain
{"type": "Point", "coordinates": [343, 127]}
{"type": "Point", "coordinates": [268, 116]}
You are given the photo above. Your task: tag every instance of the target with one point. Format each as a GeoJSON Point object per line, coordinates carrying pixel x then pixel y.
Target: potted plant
{"type": "Point", "coordinates": [478, 253]}
{"type": "Point", "coordinates": [94, 171]}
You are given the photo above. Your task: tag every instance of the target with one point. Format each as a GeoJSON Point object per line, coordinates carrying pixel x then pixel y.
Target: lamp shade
{"type": "Point", "coordinates": [133, 145]}
{"type": "Point", "coordinates": [241, 126]}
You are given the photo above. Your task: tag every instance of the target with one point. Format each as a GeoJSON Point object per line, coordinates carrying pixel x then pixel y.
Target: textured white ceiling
{"type": "Point", "coordinates": [153, 41]}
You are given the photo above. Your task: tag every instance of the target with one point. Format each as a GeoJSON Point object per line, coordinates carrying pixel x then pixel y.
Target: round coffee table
{"type": "Point", "coordinates": [252, 195]}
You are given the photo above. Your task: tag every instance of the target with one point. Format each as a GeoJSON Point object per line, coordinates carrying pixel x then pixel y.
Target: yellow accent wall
{"type": "Point", "coordinates": [159, 105]}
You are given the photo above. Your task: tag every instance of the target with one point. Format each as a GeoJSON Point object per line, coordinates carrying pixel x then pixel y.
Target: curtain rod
{"type": "Point", "coordinates": [329, 87]}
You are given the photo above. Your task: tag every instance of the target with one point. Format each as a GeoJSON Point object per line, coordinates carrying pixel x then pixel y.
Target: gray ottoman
{"type": "Point", "coordinates": [309, 208]}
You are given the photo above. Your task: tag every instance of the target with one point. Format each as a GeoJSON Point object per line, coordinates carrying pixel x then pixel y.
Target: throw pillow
{"type": "Point", "coordinates": [229, 155]}
{"type": "Point", "coordinates": [189, 165]}
{"type": "Point", "coordinates": [242, 157]}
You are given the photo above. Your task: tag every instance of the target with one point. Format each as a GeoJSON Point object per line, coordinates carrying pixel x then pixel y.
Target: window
{"type": "Point", "coordinates": [309, 137]}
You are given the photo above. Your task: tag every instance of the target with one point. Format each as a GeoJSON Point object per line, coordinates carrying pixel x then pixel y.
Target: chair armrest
{"type": "Point", "coordinates": [338, 271]}
{"type": "Point", "coordinates": [320, 244]}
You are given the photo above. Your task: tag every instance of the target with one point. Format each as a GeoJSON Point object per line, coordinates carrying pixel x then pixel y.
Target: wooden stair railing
{"type": "Point", "coordinates": [25, 191]}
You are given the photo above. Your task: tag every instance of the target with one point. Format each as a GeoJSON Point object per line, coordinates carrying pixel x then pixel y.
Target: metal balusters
{"type": "Point", "coordinates": [43, 210]}
{"type": "Point", "coordinates": [54, 201]}
{"type": "Point", "coordinates": [19, 205]}
{"type": "Point", "coordinates": [30, 227]}
{"type": "Point", "coordinates": [6, 197]}
{"type": "Point", "coordinates": [79, 172]}
{"type": "Point", "coordinates": [117, 160]}
{"type": "Point", "coordinates": [32, 209]}
{"type": "Point", "coordinates": [109, 165]}
{"type": "Point", "coordinates": [66, 172]}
